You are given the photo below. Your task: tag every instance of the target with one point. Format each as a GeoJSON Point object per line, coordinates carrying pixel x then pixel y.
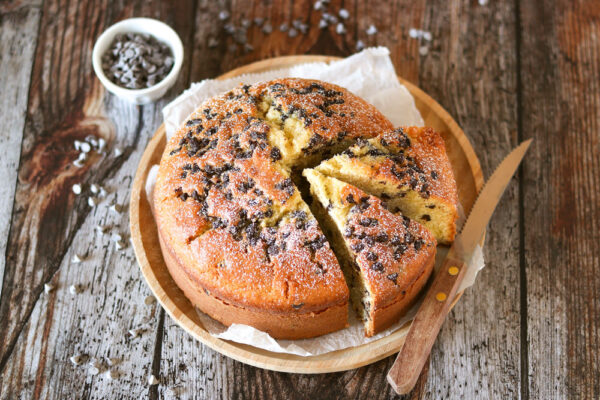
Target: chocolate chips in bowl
{"type": "Point", "coordinates": [138, 59]}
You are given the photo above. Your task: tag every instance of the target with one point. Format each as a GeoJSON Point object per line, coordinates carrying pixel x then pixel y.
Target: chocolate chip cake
{"type": "Point", "coordinates": [410, 170]}
{"type": "Point", "coordinates": [236, 235]}
{"type": "Point", "coordinates": [386, 257]}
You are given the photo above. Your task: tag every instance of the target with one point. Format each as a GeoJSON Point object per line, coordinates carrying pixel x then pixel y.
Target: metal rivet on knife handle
{"type": "Point", "coordinates": [441, 296]}
{"type": "Point", "coordinates": [453, 270]}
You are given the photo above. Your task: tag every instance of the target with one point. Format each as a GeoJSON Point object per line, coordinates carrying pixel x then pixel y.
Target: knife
{"type": "Point", "coordinates": [431, 314]}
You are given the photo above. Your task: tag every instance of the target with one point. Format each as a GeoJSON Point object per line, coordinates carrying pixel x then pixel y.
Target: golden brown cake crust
{"type": "Point", "coordinates": [390, 249]}
{"type": "Point", "coordinates": [425, 155]}
{"type": "Point", "coordinates": [382, 318]}
{"type": "Point", "coordinates": [228, 212]}
{"type": "Point", "coordinates": [395, 255]}
{"type": "Point", "coordinates": [283, 326]}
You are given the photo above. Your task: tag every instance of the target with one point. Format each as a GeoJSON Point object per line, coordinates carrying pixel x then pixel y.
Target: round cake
{"type": "Point", "coordinates": [236, 235]}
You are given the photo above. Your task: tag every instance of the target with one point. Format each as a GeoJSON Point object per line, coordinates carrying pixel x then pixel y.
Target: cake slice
{"type": "Point", "coordinates": [410, 170]}
{"type": "Point", "coordinates": [386, 257]}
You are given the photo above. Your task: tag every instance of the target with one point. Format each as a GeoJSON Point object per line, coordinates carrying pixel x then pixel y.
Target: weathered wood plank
{"type": "Point", "coordinates": [471, 70]}
{"type": "Point", "coordinates": [18, 36]}
{"type": "Point", "coordinates": [560, 58]}
{"type": "Point", "coordinates": [51, 224]}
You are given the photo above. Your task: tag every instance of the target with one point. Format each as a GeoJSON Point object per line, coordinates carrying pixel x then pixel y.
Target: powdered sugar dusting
{"type": "Point", "coordinates": [369, 74]}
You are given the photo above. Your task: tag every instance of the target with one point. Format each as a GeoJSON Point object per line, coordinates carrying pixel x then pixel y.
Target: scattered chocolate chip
{"type": "Point", "coordinates": [405, 221]}
{"type": "Point", "coordinates": [396, 241]}
{"type": "Point", "coordinates": [418, 244]}
{"type": "Point", "coordinates": [382, 237]}
{"type": "Point", "coordinates": [400, 250]}
{"type": "Point", "coordinates": [393, 277]}
{"type": "Point", "coordinates": [378, 266]}
{"type": "Point", "coordinates": [275, 154]}
{"type": "Point", "coordinates": [367, 222]}
{"type": "Point", "coordinates": [192, 122]}
{"type": "Point", "coordinates": [273, 250]}
{"type": "Point", "coordinates": [286, 185]}
{"type": "Point", "coordinates": [357, 247]}
{"type": "Point", "coordinates": [300, 214]}
{"type": "Point", "coordinates": [349, 231]}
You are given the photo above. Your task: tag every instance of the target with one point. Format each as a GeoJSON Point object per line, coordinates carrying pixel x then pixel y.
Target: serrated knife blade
{"type": "Point", "coordinates": [486, 202]}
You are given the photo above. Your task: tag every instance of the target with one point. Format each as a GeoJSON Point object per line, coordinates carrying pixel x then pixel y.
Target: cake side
{"type": "Point", "coordinates": [297, 325]}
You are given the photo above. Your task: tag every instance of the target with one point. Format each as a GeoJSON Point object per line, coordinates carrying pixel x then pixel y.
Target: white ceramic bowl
{"type": "Point", "coordinates": [160, 31]}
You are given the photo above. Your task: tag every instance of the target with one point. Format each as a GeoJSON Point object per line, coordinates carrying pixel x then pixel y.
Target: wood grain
{"type": "Point", "coordinates": [51, 224]}
{"type": "Point", "coordinates": [505, 71]}
{"type": "Point", "coordinates": [18, 36]}
{"type": "Point", "coordinates": [404, 373]}
{"type": "Point", "coordinates": [560, 58]}
{"type": "Point", "coordinates": [471, 68]}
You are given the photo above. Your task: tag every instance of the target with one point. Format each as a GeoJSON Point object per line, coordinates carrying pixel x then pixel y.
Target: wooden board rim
{"type": "Point", "coordinates": [336, 361]}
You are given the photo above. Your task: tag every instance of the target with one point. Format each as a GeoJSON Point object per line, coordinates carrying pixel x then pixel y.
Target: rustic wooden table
{"type": "Point", "coordinates": [506, 71]}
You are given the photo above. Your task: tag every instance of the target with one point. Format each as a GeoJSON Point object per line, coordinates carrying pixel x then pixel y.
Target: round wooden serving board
{"type": "Point", "coordinates": [147, 249]}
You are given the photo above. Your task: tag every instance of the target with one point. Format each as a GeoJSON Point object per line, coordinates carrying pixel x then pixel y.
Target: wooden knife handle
{"type": "Point", "coordinates": [425, 327]}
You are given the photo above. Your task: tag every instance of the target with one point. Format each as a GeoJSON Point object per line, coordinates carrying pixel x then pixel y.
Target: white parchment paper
{"type": "Point", "coordinates": [371, 75]}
